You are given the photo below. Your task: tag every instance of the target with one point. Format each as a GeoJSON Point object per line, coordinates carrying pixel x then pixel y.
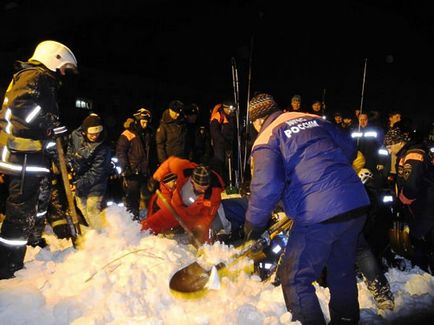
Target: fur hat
{"type": "Point", "coordinates": [262, 105]}
{"type": "Point", "coordinates": [92, 124]}
{"type": "Point", "coordinates": [201, 176]}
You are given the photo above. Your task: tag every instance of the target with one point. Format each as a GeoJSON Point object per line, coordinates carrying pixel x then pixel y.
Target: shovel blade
{"type": "Point", "coordinates": [191, 278]}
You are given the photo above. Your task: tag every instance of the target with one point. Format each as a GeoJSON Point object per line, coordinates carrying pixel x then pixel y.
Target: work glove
{"type": "Point", "coordinates": [251, 232]}
{"type": "Point", "coordinates": [259, 236]}
{"type": "Point", "coordinates": [57, 131]}
{"type": "Point", "coordinates": [61, 229]}
{"type": "Point", "coordinates": [152, 185]}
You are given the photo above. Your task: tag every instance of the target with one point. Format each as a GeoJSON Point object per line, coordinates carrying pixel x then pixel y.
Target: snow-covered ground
{"type": "Point", "coordinates": [121, 276]}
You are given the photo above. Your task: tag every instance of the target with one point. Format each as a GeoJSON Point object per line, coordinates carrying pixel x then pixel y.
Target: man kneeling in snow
{"type": "Point", "coordinates": [196, 199]}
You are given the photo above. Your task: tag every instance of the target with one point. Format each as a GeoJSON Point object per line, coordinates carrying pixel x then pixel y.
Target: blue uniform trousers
{"type": "Point", "coordinates": [330, 244]}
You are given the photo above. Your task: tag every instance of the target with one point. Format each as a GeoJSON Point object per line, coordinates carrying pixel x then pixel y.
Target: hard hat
{"type": "Point", "coordinates": [54, 55]}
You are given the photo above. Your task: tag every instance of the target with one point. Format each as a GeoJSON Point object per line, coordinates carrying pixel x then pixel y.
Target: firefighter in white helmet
{"type": "Point", "coordinates": [29, 121]}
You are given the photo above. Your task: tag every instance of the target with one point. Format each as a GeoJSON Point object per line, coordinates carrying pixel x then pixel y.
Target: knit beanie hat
{"type": "Point", "coordinates": [92, 124]}
{"type": "Point", "coordinates": [262, 105]}
{"type": "Point", "coordinates": [201, 176]}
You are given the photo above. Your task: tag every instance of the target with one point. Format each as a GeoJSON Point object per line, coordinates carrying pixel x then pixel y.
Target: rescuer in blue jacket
{"type": "Point", "coordinates": [305, 162]}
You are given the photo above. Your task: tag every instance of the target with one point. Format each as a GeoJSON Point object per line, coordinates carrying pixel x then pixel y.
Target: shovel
{"type": "Point", "coordinates": [193, 277]}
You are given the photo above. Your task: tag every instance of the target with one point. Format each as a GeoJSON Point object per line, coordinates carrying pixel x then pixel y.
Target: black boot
{"type": "Point", "coordinates": [382, 295]}
{"type": "Point", "coordinates": [11, 260]}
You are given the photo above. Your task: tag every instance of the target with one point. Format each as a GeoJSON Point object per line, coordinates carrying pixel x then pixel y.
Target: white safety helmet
{"type": "Point", "coordinates": [365, 175]}
{"type": "Point", "coordinates": [54, 55]}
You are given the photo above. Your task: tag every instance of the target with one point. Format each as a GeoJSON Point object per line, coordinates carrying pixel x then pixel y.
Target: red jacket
{"type": "Point", "coordinates": [199, 215]}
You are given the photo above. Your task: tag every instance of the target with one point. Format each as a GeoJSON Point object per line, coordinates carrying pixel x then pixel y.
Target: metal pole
{"type": "Point", "coordinates": [247, 132]}
{"type": "Point", "coordinates": [323, 104]}
{"type": "Point", "coordinates": [237, 116]}
{"type": "Point", "coordinates": [363, 88]}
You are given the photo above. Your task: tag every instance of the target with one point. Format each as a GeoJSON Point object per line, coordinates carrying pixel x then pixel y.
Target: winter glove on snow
{"type": "Point", "coordinates": [61, 229]}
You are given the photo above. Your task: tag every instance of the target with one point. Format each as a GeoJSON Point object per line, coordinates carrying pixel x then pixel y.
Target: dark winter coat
{"type": "Point", "coordinates": [90, 163]}
{"type": "Point", "coordinates": [305, 162]}
{"type": "Point", "coordinates": [171, 137]}
{"type": "Point", "coordinates": [133, 150]}
{"type": "Point", "coordinates": [223, 131]}
{"type": "Point", "coordinates": [28, 116]}
{"type": "Point", "coordinates": [415, 186]}
{"type": "Point", "coordinates": [198, 144]}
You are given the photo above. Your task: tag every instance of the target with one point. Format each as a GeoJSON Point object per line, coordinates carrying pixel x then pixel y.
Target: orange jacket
{"type": "Point", "coordinates": [198, 216]}
{"type": "Point", "coordinates": [218, 115]}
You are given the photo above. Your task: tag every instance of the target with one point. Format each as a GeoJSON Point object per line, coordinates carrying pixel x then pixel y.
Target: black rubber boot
{"type": "Point", "coordinates": [11, 260]}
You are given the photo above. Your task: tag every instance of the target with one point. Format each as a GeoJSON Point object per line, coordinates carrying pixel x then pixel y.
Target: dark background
{"type": "Point", "coordinates": [146, 53]}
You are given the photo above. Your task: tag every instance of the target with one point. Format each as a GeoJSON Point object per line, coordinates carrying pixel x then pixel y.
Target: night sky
{"type": "Point", "coordinates": [146, 53]}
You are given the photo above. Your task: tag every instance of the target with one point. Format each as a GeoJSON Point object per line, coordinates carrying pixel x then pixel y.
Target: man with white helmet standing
{"type": "Point", "coordinates": [29, 121]}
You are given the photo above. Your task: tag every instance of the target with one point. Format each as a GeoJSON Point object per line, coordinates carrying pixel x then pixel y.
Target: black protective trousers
{"type": "Point", "coordinates": [132, 187]}
{"type": "Point", "coordinates": [20, 217]}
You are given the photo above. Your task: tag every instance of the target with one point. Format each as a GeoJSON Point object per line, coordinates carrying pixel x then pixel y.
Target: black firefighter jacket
{"type": "Point", "coordinates": [29, 114]}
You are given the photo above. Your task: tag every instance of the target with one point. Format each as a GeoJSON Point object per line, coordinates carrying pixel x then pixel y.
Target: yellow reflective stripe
{"type": "Point", "coordinates": [58, 223]}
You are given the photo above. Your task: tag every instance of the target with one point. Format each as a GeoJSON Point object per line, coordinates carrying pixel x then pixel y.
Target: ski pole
{"type": "Point", "coordinates": [247, 126]}
{"type": "Point", "coordinates": [237, 116]}
{"type": "Point", "coordinates": [363, 88]}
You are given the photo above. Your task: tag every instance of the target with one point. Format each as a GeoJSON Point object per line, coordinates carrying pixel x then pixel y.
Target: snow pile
{"type": "Point", "coordinates": [121, 276]}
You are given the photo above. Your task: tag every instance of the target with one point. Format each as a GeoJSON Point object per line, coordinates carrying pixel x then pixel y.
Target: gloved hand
{"type": "Point", "coordinates": [251, 232]}
{"type": "Point", "coordinates": [254, 233]}
{"type": "Point", "coordinates": [152, 185]}
{"type": "Point", "coordinates": [62, 230]}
